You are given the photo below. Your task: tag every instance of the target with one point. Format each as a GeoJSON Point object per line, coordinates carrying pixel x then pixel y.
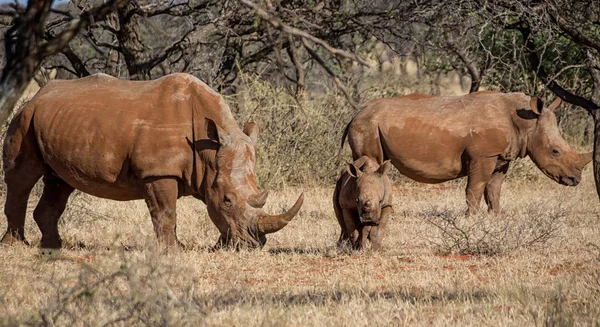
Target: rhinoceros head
{"type": "Point", "coordinates": [549, 151]}
{"type": "Point", "coordinates": [370, 190]}
{"type": "Point", "coordinates": [233, 200]}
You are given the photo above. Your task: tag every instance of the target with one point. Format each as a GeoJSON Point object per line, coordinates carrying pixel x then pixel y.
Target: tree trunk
{"type": "Point", "coordinates": [13, 84]}
{"type": "Point", "coordinates": [22, 55]}
{"type": "Point", "coordinates": [594, 59]}
{"type": "Point", "coordinates": [134, 53]}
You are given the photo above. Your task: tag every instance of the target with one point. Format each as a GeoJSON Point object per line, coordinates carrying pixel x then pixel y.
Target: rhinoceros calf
{"type": "Point", "coordinates": [437, 139]}
{"type": "Point", "coordinates": [362, 201]}
{"type": "Point", "coordinates": [124, 140]}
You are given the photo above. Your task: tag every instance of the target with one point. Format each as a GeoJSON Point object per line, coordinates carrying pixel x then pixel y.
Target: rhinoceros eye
{"type": "Point", "coordinates": [555, 152]}
{"type": "Point", "coordinates": [226, 199]}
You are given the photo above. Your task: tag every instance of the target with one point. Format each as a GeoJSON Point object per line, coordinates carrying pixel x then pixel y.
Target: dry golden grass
{"type": "Point", "coordinates": [112, 273]}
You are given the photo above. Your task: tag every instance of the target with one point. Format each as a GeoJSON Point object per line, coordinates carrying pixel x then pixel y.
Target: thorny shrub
{"type": "Point", "coordinates": [299, 140]}
{"type": "Point", "coordinates": [494, 235]}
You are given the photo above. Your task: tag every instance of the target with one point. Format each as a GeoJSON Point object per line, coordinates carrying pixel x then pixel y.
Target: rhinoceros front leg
{"type": "Point", "coordinates": [493, 187]}
{"type": "Point", "coordinates": [161, 198]}
{"type": "Point", "coordinates": [479, 174]}
{"type": "Point", "coordinates": [378, 232]}
{"type": "Point", "coordinates": [349, 228]}
{"type": "Point", "coordinates": [363, 235]}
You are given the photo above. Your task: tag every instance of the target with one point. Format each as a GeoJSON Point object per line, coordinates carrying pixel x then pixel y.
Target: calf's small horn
{"type": "Point", "coordinates": [272, 223]}
{"type": "Point", "coordinates": [258, 200]}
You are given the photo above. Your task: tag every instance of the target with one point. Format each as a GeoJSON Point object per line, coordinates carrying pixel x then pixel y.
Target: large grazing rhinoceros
{"type": "Point", "coordinates": [124, 140]}
{"type": "Point", "coordinates": [436, 139]}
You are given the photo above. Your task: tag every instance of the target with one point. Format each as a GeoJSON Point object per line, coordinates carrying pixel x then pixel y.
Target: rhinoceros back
{"type": "Point", "coordinates": [102, 135]}
{"type": "Point", "coordinates": [427, 138]}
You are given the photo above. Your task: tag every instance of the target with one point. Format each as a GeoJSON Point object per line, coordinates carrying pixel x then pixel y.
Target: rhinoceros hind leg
{"type": "Point", "coordinates": [50, 208]}
{"type": "Point", "coordinates": [493, 188]}
{"type": "Point", "coordinates": [19, 182]}
{"type": "Point", "coordinates": [479, 172]}
{"type": "Point", "coordinates": [161, 198]}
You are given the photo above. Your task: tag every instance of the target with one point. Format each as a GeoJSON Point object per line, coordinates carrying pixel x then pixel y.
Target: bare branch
{"type": "Point", "coordinates": [78, 66]}
{"type": "Point", "coordinates": [329, 72]}
{"type": "Point", "coordinates": [276, 22]}
{"type": "Point", "coordinates": [300, 75]}
{"type": "Point", "coordinates": [77, 24]}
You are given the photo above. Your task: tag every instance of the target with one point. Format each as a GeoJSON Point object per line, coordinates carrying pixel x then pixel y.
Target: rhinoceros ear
{"type": "Point", "coordinates": [353, 171]}
{"type": "Point", "coordinates": [555, 104]}
{"type": "Point", "coordinates": [216, 133]}
{"type": "Point", "coordinates": [385, 167]}
{"type": "Point", "coordinates": [536, 105]}
{"type": "Point", "coordinates": [251, 129]}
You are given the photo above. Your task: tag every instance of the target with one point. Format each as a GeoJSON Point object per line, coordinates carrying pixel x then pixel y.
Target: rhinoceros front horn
{"type": "Point", "coordinates": [258, 200]}
{"type": "Point", "coordinates": [272, 223]}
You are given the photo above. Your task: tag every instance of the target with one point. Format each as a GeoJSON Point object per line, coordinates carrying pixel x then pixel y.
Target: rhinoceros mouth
{"type": "Point", "coordinates": [370, 223]}
{"type": "Point", "coordinates": [368, 220]}
{"type": "Point", "coordinates": [569, 180]}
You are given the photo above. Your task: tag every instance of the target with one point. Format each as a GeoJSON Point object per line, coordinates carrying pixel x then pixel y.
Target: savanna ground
{"type": "Point", "coordinates": [536, 264]}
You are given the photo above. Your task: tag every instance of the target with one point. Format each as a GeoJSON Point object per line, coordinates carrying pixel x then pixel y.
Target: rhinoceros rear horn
{"type": "Point", "coordinates": [586, 158]}
{"type": "Point", "coordinates": [272, 223]}
{"type": "Point", "coordinates": [258, 200]}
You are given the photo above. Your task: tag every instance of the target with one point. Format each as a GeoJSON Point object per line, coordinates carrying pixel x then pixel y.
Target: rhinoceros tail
{"type": "Point", "coordinates": [382, 146]}
{"type": "Point", "coordinates": [339, 156]}
{"type": "Point", "coordinates": [20, 144]}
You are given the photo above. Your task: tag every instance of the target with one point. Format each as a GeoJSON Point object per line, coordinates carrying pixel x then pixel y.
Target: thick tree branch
{"type": "Point", "coordinates": [574, 33]}
{"type": "Point", "coordinates": [534, 61]}
{"type": "Point", "coordinates": [471, 65]}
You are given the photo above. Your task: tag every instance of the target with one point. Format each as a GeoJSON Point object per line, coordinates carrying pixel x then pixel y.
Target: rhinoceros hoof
{"type": "Point", "coordinates": [11, 239]}
{"type": "Point", "coordinates": [49, 254]}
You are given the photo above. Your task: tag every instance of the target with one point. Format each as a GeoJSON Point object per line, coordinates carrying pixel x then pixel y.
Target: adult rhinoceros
{"type": "Point", "coordinates": [436, 139]}
{"type": "Point", "coordinates": [124, 140]}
